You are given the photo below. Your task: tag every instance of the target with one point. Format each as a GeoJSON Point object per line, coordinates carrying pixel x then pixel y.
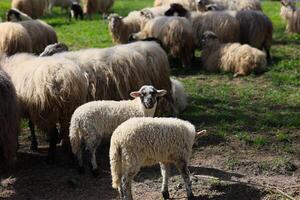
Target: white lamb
{"type": "Point", "coordinates": [97, 120]}
{"type": "Point", "coordinates": [147, 141]}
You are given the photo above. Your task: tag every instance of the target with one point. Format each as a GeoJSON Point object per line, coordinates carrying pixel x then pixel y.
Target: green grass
{"type": "Point", "coordinates": [254, 108]}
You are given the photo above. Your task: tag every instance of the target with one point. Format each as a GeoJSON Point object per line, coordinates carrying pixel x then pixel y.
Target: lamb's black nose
{"type": "Point", "coordinates": [131, 38]}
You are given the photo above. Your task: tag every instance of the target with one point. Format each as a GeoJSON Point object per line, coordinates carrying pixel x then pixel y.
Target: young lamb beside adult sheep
{"type": "Point", "coordinates": [9, 120]}
{"type": "Point", "coordinates": [231, 57]}
{"type": "Point", "coordinates": [93, 6]}
{"type": "Point", "coordinates": [188, 4]}
{"type": "Point", "coordinates": [15, 15]}
{"type": "Point", "coordinates": [256, 29]}
{"type": "Point", "coordinates": [223, 24]}
{"type": "Point", "coordinates": [49, 90]}
{"type": "Point", "coordinates": [140, 142]}
{"type": "Point", "coordinates": [95, 121]}
{"type": "Point", "coordinates": [176, 35]}
{"type": "Point", "coordinates": [134, 61]}
{"type": "Point", "coordinates": [33, 8]}
{"type": "Point", "coordinates": [14, 38]}
{"type": "Point", "coordinates": [291, 14]}
{"type": "Point", "coordinates": [121, 28]}
{"type": "Point", "coordinates": [204, 5]}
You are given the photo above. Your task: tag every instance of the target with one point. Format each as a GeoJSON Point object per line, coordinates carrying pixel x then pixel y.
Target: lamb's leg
{"type": "Point", "coordinates": [79, 156]}
{"type": "Point", "coordinates": [126, 187]}
{"type": "Point", "coordinates": [34, 144]}
{"type": "Point", "coordinates": [92, 145]}
{"type": "Point", "coordinates": [165, 169]}
{"type": "Point", "coordinates": [53, 141]}
{"type": "Point", "coordinates": [184, 171]}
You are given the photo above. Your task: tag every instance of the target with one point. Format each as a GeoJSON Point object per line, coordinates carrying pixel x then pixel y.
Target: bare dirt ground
{"type": "Point", "coordinates": [220, 171]}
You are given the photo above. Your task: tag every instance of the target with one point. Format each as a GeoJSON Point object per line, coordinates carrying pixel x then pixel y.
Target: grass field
{"type": "Point", "coordinates": [256, 115]}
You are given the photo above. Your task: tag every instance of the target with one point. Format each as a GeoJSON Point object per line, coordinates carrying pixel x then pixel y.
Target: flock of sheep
{"type": "Point", "coordinates": [81, 97]}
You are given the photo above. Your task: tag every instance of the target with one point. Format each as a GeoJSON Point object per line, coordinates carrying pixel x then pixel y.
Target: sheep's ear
{"type": "Point", "coordinates": [135, 94]}
{"type": "Point", "coordinates": [161, 93]}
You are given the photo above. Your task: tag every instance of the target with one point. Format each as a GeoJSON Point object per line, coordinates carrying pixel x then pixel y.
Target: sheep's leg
{"type": "Point", "coordinates": [34, 144]}
{"type": "Point", "coordinates": [126, 187]}
{"type": "Point", "coordinates": [184, 171]}
{"type": "Point", "coordinates": [269, 58]}
{"type": "Point", "coordinates": [165, 169]}
{"type": "Point", "coordinates": [92, 145]}
{"type": "Point", "coordinates": [53, 142]}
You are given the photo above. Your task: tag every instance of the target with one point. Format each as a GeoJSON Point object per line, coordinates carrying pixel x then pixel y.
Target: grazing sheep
{"type": "Point", "coordinates": [140, 142]}
{"type": "Point", "coordinates": [41, 34]}
{"type": "Point", "coordinates": [204, 5]}
{"type": "Point", "coordinates": [94, 6]}
{"type": "Point", "coordinates": [64, 4]}
{"type": "Point", "coordinates": [135, 61]}
{"type": "Point", "coordinates": [15, 15]}
{"type": "Point", "coordinates": [256, 29]}
{"type": "Point", "coordinates": [176, 35]}
{"type": "Point", "coordinates": [231, 57]}
{"type": "Point", "coordinates": [9, 120]}
{"type": "Point", "coordinates": [121, 28]}
{"type": "Point", "coordinates": [14, 38]}
{"type": "Point", "coordinates": [76, 11]}
{"type": "Point", "coordinates": [95, 121]}
{"type": "Point", "coordinates": [188, 4]}
{"type": "Point", "coordinates": [223, 24]}
{"type": "Point", "coordinates": [33, 8]}
{"type": "Point", "coordinates": [49, 90]}
{"type": "Point", "coordinates": [179, 95]}
{"type": "Point", "coordinates": [291, 14]}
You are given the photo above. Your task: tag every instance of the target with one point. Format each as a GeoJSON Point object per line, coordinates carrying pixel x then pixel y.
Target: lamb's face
{"type": "Point", "coordinates": [176, 10]}
{"type": "Point", "coordinates": [54, 48]}
{"type": "Point", "coordinates": [114, 21]}
{"type": "Point", "coordinates": [148, 95]}
{"type": "Point", "coordinates": [209, 38]}
{"type": "Point", "coordinates": [201, 5]}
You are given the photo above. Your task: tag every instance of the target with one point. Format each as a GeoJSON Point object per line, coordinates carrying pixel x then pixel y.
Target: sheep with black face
{"type": "Point", "coordinates": [95, 121]}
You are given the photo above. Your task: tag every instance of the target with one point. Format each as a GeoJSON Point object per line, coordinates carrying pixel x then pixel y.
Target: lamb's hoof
{"type": "Point", "coordinates": [81, 170]}
{"type": "Point", "coordinates": [191, 197]}
{"type": "Point", "coordinates": [166, 194]}
{"type": "Point", "coordinates": [95, 173]}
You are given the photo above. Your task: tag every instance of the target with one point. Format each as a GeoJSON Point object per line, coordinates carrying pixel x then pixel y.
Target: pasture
{"type": "Point", "coordinates": [251, 151]}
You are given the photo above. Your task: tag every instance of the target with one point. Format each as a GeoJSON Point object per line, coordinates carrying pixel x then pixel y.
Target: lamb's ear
{"type": "Point", "coordinates": [135, 94]}
{"type": "Point", "coordinates": [161, 93]}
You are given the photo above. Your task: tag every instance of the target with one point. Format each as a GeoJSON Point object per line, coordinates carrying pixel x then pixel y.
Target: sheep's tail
{"type": "Point", "coordinates": [179, 95]}
{"type": "Point", "coordinates": [75, 138]}
{"type": "Point", "coordinates": [115, 165]}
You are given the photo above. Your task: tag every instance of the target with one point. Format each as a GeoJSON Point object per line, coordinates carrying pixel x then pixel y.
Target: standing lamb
{"type": "Point", "coordinates": [231, 57]}
{"type": "Point", "coordinates": [95, 121]}
{"type": "Point", "coordinates": [176, 35]}
{"type": "Point", "coordinates": [49, 90]}
{"type": "Point", "coordinates": [9, 120]}
{"type": "Point", "coordinates": [93, 6]}
{"type": "Point", "coordinates": [64, 4]}
{"type": "Point", "coordinates": [223, 24]}
{"type": "Point", "coordinates": [76, 11]}
{"type": "Point", "coordinates": [188, 4]}
{"type": "Point", "coordinates": [33, 8]}
{"type": "Point", "coordinates": [291, 14]}
{"type": "Point", "coordinates": [140, 142]}
{"type": "Point", "coordinates": [14, 38]}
